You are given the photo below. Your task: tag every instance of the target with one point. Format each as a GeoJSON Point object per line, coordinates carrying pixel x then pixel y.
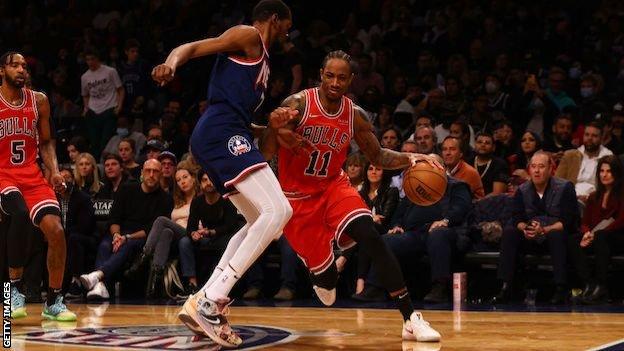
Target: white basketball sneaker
{"type": "Point", "coordinates": [418, 329]}
{"type": "Point", "coordinates": [327, 297]}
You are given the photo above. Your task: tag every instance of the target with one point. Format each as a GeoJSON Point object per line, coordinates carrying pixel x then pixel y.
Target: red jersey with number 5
{"type": "Point", "coordinates": [305, 173]}
{"type": "Point", "coordinates": [19, 137]}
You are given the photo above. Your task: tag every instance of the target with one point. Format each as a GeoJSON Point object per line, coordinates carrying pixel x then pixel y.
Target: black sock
{"type": "Point", "coordinates": [404, 303]}
{"type": "Point", "coordinates": [52, 294]}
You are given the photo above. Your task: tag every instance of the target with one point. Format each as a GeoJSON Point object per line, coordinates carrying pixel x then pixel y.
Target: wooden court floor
{"type": "Point", "coordinates": [156, 327]}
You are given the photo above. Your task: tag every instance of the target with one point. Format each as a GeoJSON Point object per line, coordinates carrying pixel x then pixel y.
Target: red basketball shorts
{"type": "Point", "coordinates": [320, 220]}
{"type": "Point", "coordinates": [29, 181]}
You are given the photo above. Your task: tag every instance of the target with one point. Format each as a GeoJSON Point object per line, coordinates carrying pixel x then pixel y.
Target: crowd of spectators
{"type": "Point", "coordinates": [523, 101]}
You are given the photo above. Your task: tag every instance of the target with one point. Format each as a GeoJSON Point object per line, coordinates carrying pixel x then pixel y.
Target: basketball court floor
{"type": "Point", "coordinates": [304, 325]}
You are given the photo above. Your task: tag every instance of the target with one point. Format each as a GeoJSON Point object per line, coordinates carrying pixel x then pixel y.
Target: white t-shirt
{"type": "Point", "coordinates": [101, 88]}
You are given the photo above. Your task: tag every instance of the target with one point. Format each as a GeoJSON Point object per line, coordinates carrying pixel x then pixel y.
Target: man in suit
{"type": "Point", "coordinates": [543, 216]}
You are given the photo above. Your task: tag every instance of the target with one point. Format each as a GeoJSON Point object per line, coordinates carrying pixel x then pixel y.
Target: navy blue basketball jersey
{"type": "Point", "coordinates": [239, 83]}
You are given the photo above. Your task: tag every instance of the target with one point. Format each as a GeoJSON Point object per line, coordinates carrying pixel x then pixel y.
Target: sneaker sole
{"type": "Point", "coordinates": [54, 318]}
{"type": "Point", "coordinates": [206, 328]}
{"type": "Point", "coordinates": [190, 323]}
{"type": "Point", "coordinates": [19, 313]}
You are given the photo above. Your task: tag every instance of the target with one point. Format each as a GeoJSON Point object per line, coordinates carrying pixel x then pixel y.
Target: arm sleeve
{"type": "Point", "coordinates": [518, 214]}
{"type": "Point", "coordinates": [193, 221]}
{"type": "Point", "coordinates": [115, 78]}
{"type": "Point", "coordinates": [460, 204]}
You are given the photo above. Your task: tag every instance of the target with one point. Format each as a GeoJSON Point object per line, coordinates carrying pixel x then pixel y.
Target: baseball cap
{"type": "Point", "coordinates": [618, 109]}
{"type": "Point", "coordinates": [155, 144]}
{"type": "Point", "coordinates": [168, 154]}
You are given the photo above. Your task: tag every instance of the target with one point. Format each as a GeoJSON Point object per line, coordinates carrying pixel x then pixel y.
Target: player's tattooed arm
{"type": "Point", "coordinates": [47, 144]}
{"type": "Point", "coordinates": [364, 135]}
{"type": "Point", "coordinates": [282, 122]}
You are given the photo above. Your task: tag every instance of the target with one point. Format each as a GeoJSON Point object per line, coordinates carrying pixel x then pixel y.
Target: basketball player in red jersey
{"type": "Point", "coordinates": [325, 207]}
{"type": "Point", "coordinates": [26, 196]}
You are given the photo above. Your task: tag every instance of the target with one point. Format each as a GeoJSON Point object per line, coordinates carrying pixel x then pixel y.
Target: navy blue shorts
{"type": "Point", "coordinates": [224, 147]}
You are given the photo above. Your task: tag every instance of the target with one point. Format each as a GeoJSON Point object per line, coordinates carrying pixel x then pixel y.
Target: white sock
{"type": "Point", "coordinates": [249, 211]}
{"type": "Point", "coordinates": [261, 189]}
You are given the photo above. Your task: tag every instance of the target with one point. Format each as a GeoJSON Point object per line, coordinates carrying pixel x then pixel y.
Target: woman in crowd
{"type": "Point", "coordinates": [86, 174]}
{"type": "Point", "coordinates": [382, 199]}
{"type": "Point", "coordinates": [355, 169]}
{"type": "Point", "coordinates": [167, 231]}
{"type": "Point", "coordinates": [602, 229]}
{"type": "Point", "coordinates": [529, 144]}
{"type": "Point", "coordinates": [127, 152]}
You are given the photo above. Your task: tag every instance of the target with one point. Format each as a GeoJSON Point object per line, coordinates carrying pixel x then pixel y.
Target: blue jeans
{"type": "Point", "coordinates": [109, 262]}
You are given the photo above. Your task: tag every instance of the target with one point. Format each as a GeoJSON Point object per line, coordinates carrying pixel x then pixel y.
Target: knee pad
{"type": "Point", "coordinates": [13, 204]}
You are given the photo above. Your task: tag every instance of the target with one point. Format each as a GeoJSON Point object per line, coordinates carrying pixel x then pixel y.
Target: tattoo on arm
{"type": "Point", "coordinates": [368, 143]}
{"type": "Point", "coordinates": [268, 142]}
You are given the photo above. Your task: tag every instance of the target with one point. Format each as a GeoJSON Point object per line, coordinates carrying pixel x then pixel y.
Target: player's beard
{"type": "Point", "coordinates": [13, 83]}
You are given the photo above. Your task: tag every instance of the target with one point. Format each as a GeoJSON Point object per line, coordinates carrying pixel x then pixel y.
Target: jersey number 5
{"type": "Point", "coordinates": [312, 169]}
{"type": "Point", "coordinates": [18, 155]}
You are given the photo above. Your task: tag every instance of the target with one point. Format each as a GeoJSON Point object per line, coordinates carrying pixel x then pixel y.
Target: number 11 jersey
{"type": "Point", "coordinates": [306, 173]}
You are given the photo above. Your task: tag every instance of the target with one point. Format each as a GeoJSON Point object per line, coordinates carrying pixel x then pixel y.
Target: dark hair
{"type": "Point", "coordinates": [267, 8]}
{"type": "Point", "coordinates": [131, 142]}
{"type": "Point", "coordinates": [564, 116]}
{"type": "Point", "coordinates": [7, 57]}
{"type": "Point", "coordinates": [538, 140]}
{"type": "Point", "coordinates": [384, 184]}
{"type": "Point", "coordinates": [340, 55]}
{"type": "Point", "coordinates": [396, 131]}
{"type": "Point", "coordinates": [132, 43]}
{"type": "Point", "coordinates": [484, 133]}
{"type": "Point", "coordinates": [112, 156]}
{"type": "Point", "coordinates": [92, 52]}
{"type": "Point", "coordinates": [459, 142]}
{"type": "Point", "coordinates": [595, 124]}
{"type": "Point", "coordinates": [79, 142]}
{"type": "Point", "coordinates": [616, 171]}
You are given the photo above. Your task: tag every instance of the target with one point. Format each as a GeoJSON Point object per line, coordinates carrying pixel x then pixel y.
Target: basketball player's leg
{"type": "Point", "coordinates": [386, 266]}
{"type": "Point", "coordinates": [262, 190]}
{"type": "Point", "coordinates": [251, 213]}
{"type": "Point", "coordinates": [13, 204]}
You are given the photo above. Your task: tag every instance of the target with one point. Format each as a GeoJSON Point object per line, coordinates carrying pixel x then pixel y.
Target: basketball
{"type": "Point", "coordinates": [424, 184]}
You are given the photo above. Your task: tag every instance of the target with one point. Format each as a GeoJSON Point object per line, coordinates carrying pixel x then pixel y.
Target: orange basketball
{"type": "Point", "coordinates": [424, 184]}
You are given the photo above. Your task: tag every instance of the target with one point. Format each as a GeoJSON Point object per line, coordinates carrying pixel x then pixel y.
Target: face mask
{"type": "Point", "coordinates": [587, 92]}
{"type": "Point", "coordinates": [122, 132]}
{"type": "Point", "coordinates": [574, 72]}
{"type": "Point", "coordinates": [491, 87]}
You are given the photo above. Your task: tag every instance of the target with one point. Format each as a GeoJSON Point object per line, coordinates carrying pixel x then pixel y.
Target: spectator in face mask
{"type": "Point", "coordinates": [122, 131]}
{"type": "Point", "coordinates": [591, 102]}
{"type": "Point", "coordinates": [497, 99]}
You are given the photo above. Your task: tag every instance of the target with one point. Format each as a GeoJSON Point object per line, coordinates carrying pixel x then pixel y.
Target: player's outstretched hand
{"type": "Point", "coordinates": [281, 116]}
{"type": "Point", "coordinates": [162, 74]}
{"type": "Point", "coordinates": [429, 159]}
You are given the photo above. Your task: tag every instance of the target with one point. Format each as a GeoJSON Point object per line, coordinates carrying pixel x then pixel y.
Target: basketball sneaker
{"type": "Point", "coordinates": [99, 292]}
{"type": "Point", "coordinates": [89, 281]}
{"type": "Point", "coordinates": [418, 329]}
{"type": "Point", "coordinates": [18, 303]}
{"type": "Point", "coordinates": [186, 318]}
{"type": "Point", "coordinates": [58, 311]}
{"type": "Point", "coordinates": [210, 316]}
{"type": "Point", "coordinates": [327, 297]}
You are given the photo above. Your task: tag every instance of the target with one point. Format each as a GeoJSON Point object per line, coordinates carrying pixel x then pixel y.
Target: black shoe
{"type": "Point", "coordinates": [560, 296]}
{"type": "Point", "coordinates": [439, 293]}
{"type": "Point", "coordinates": [189, 289]}
{"type": "Point", "coordinates": [155, 287]}
{"type": "Point", "coordinates": [370, 294]}
{"type": "Point", "coordinates": [599, 295]}
{"type": "Point", "coordinates": [139, 266]}
{"type": "Point", "coordinates": [75, 290]}
{"type": "Point", "coordinates": [503, 296]}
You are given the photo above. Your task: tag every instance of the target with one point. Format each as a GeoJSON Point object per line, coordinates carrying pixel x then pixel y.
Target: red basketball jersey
{"type": "Point", "coordinates": [302, 174]}
{"type": "Point", "coordinates": [19, 137]}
